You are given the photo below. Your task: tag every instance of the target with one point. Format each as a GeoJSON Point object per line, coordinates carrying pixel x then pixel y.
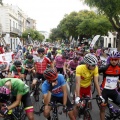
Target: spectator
{"type": "Point", "coordinates": [1, 49]}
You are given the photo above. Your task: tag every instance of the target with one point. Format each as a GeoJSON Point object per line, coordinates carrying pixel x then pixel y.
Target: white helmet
{"type": "Point", "coordinates": [90, 59]}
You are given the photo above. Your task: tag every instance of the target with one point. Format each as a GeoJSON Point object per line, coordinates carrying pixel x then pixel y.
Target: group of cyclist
{"type": "Point", "coordinates": [51, 66]}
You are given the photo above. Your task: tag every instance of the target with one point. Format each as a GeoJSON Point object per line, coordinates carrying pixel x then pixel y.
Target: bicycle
{"type": "Point", "coordinates": [54, 107]}
{"type": "Point", "coordinates": [35, 96]}
{"type": "Point", "coordinates": [113, 113]}
{"type": "Point", "coordinates": [83, 110]}
{"type": "Point", "coordinates": [15, 114]}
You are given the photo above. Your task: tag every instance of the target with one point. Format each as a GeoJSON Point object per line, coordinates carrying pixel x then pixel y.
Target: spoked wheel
{"type": "Point", "coordinates": [87, 115]}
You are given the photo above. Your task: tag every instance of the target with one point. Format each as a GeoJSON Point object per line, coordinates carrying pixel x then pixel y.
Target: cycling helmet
{"type": "Point", "coordinates": [17, 63]}
{"type": "Point", "coordinates": [29, 56]}
{"type": "Point", "coordinates": [4, 93]}
{"type": "Point", "coordinates": [3, 65]}
{"type": "Point", "coordinates": [50, 74]}
{"type": "Point", "coordinates": [41, 50]}
{"type": "Point", "coordinates": [90, 59]}
{"type": "Point", "coordinates": [114, 54]}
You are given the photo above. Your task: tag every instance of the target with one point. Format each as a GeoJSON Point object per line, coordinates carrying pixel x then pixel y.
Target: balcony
{"type": "Point", "coordinates": [14, 30]}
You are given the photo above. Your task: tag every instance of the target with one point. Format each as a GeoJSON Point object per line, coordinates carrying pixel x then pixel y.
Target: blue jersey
{"type": "Point", "coordinates": [57, 89]}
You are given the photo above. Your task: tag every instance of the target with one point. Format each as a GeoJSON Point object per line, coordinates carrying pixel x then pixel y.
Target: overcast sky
{"type": "Point", "coordinates": [48, 13]}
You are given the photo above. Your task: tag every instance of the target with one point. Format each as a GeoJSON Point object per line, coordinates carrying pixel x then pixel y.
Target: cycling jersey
{"type": "Point", "coordinates": [86, 75]}
{"type": "Point", "coordinates": [14, 70]}
{"type": "Point", "coordinates": [73, 64]}
{"type": "Point", "coordinates": [28, 63]}
{"type": "Point", "coordinates": [59, 61]}
{"type": "Point", "coordinates": [56, 90]}
{"type": "Point", "coordinates": [41, 64]}
{"type": "Point", "coordinates": [18, 86]}
{"type": "Point", "coordinates": [111, 75]}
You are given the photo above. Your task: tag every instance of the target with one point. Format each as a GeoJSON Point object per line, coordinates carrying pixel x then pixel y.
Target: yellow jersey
{"type": "Point", "coordinates": [86, 75]}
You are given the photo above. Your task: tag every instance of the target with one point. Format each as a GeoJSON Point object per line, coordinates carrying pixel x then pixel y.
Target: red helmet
{"type": "Point", "coordinates": [50, 74]}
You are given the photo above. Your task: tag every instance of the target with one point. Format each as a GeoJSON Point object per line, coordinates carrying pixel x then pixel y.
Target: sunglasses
{"type": "Point", "coordinates": [93, 65]}
{"type": "Point", "coordinates": [52, 81]}
{"type": "Point", "coordinates": [114, 59]}
{"type": "Point", "coordinates": [18, 66]}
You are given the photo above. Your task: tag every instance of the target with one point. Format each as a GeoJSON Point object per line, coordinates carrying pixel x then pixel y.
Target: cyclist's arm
{"type": "Point", "coordinates": [97, 85]}
{"type": "Point", "coordinates": [64, 68]}
{"type": "Point", "coordinates": [52, 65]}
{"type": "Point", "coordinates": [96, 76]}
{"type": "Point", "coordinates": [64, 89]}
{"type": "Point", "coordinates": [16, 103]}
{"type": "Point", "coordinates": [78, 79]}
{"type": "Point", "coordinates": [47, 98]}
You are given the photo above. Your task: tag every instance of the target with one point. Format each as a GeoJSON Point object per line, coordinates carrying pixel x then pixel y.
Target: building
{"type": "Point", "coordinates": [13, 23]}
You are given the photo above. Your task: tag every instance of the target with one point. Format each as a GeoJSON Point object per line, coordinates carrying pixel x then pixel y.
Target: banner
{"type": "Point", "coordinates": [6, 57]}
{"type": "Point", "coordinates": [94, 41]}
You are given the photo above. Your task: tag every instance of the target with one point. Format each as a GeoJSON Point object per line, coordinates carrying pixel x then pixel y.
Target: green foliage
{"type": "Point", "coordinates": [111, 8]}
{"type": "Point", "coordinates": [83, 23]}
{"type": "Point", "coordinates": [1, 2]}
{"type": "Point", "coordinates": [35, 35]}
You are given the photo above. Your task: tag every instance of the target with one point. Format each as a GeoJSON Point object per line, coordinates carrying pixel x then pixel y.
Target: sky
{"type": "Point", "coordinates": [48, 13]}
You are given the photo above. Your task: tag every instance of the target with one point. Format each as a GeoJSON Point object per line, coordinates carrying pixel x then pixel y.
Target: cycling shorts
{"type": "Point", "coordinates": [85, 91]}
{"type": "Point", "coordinates": [60, 100]}
{"type": "Point", "coordinates": [26, 100]}
{"type": "Point", "coordinates": [39, 76]}
{"type": "Point", "coordinates": [112, 94]}
{"type": "Point", "coordinates": [60, 70]}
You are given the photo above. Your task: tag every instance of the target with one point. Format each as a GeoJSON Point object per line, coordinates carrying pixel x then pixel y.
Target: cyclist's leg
{"type": "Point", "coordinates": [70, 110]}
{"type": "Point", "coordinates": [115, 96]}
{"type": "Point", "coordinates": [28, 106]}
{"type": "Point", "coordinates": [103, 105]}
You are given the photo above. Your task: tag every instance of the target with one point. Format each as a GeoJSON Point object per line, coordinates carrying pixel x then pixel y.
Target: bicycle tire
{"type": "Point", "coordinates": [87, 115]}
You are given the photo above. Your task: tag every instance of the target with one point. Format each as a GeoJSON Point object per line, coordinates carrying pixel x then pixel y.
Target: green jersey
{"type": "Point", "coordinates": [29, 64]}
{"type": "Point", "coordinates": [18, 86]}
{"type": "Point", "coordinates": [13, 69]}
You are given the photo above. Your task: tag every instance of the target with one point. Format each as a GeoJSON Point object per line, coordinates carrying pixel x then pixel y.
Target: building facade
{"type": "Point", "coordinates": [13, 23]}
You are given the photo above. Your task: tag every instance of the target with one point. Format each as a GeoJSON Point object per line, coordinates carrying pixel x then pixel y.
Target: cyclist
{"type": "Point", "coordinates": [20, 93]}
{"type": "Point", "coordinates": [59, 62]}
{"type": "Point", "coordinates": [111, 75]}
{"type": "Point", "coordinates": [54, 87]}
{"type": "Point", "coordinates": [84, 75]}
{"type": "Point", "coordinates": [29, 64]}
{"type": "Point", "coordinates": [40, 65]}
{"type": "Point", "coordinates": [16, 70]}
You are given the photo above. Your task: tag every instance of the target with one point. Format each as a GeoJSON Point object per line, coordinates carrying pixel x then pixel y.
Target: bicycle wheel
{"type": "Point", "coordinates": [87, 115]}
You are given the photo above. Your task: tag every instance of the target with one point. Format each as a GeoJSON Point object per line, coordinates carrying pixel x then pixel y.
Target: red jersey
{"type": "Point", "coordinates": [41, 64]}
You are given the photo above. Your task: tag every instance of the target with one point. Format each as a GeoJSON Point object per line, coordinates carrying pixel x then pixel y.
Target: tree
{"type": "Point", "coordinates": [35, 35]}
{"type": "Point", "coordinates": [111, 8]}
{"type": "Point", "coordinates": [1, 2]}
{"type": "Point", "coordinates": [84, 24]}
